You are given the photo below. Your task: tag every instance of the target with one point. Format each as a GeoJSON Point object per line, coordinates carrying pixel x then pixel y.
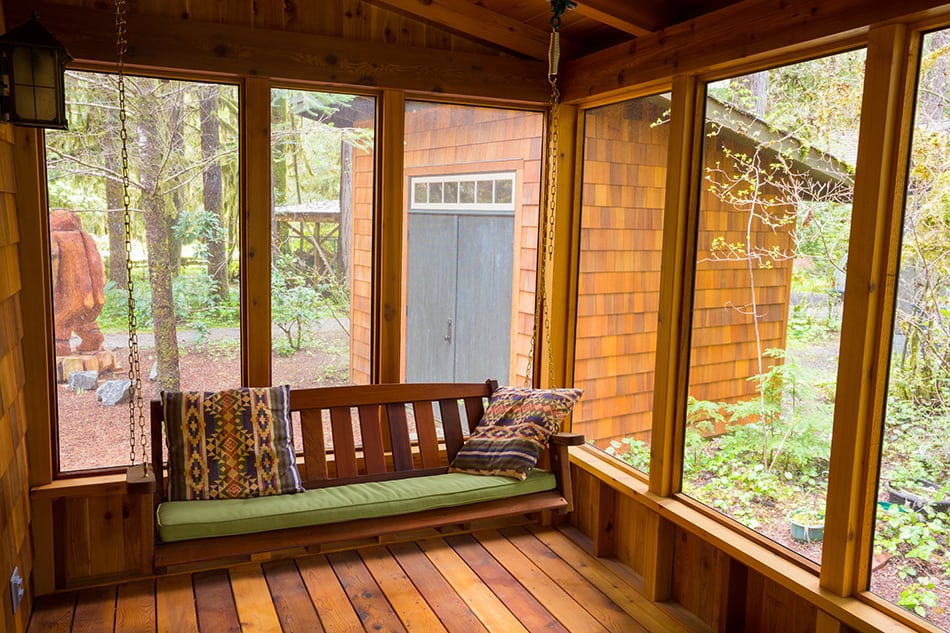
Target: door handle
{"type": "Point", "coordinates": [448, 335]}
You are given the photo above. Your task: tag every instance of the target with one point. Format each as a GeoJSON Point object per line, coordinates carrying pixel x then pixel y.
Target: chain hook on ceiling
{"type": "Point", "coordinates": [558, 7]}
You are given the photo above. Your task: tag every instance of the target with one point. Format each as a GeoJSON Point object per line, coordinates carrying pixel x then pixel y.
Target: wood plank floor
{"type": "Point", "coordinates": [512, 579]}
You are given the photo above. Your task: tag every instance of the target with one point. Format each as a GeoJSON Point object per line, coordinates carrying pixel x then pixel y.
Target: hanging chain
{"type": "Point", "coordinates": [549, 204]}
{"type": "Point", "coordinates": [549, 224]}
{"type": "Point", "coordinates": [136, 408]}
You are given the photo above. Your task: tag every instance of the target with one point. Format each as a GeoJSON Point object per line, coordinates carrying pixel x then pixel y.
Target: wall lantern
{"type": "Point", "coordinates": [33, 65]}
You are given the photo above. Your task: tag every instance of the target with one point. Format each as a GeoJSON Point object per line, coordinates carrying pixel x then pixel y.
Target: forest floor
{"type": "Point", "coordinates": [93, 435]}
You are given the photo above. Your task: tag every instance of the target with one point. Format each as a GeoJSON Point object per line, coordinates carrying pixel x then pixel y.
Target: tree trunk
{"type": "Point", "coordinates": [160, 269]}
{"type": "Point", "coordinates": [346, 213]}
{"type": "Point", "coordinates": [751, 93]}
{"type": "Point", "coordinates": [279, 159]}
{"type": "Point", "coordinates": [211, 192]}
{"type": "Point", "coordinates": [118, 273]}
{"type": "Point", "coordinates": [931, 99]}
{"type": "Point", "coordinates": [163, 301]}
{"type": "Point", "coordinates": [176, 154]}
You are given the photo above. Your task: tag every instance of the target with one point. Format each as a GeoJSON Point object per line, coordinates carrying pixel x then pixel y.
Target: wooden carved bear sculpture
{"type": "Point", "coordinates": [78, 283]}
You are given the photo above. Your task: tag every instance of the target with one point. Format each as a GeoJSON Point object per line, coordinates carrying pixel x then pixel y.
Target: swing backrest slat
{"type": "Point", "coordinates": [372, 432]}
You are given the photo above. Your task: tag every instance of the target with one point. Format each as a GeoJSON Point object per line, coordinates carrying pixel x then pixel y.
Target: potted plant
{"type": "Point", "coordinates": [807, 525]}
{"type": "Point", "coordinates": [917, 494]}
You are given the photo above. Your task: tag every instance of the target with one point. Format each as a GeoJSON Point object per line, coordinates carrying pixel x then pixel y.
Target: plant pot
{"type": "Point", "coordinates": [917, 498]}
{"type": "Point", "coordinates": [806, 526]}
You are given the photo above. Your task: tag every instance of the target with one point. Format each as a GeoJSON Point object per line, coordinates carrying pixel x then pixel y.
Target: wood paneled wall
{"type": "Point", "coordinates": [446, 139]}
{"type": "Point", "coordinates": [723, 350]}
{"type": "Point", "coordinates": [625, 158]}
{"type": "Point", "coordinates": [698, 570]}
{"type": "Point", "coordinates": [442, 139]}
{"type": "Point", "coordinates": [361, 269]}
{"type": "Point", "coordinates": [16, 545]}
{"type": "Point", "coordinates": [624, 182]}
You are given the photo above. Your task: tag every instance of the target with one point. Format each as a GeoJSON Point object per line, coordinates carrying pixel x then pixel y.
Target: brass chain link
{"type": "Point", "coordinates": [551, 213]}
{"type": "Point", "coordinates": [136, 408]}
{"type": "Point", "coordinates": [548, 214]}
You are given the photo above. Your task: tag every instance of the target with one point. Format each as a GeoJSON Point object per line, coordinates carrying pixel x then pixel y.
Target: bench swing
{"type": "Point", "coordinates": [400, 459]}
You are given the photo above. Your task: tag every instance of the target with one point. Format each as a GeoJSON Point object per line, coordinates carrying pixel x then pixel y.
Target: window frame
{"type": "Point", "coordinates": [886, 124]}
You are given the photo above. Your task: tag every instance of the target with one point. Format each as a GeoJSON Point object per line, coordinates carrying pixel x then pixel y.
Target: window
{"type": "Point", "coordinates": [624, 188]}
{"type": "Point", "coordinates": [473, 182]}
{"type": "Point", "coordinates": [451, 193]}
{"type": "Point", "coordinates": [322, 175]}
{"type": "Point", "coordinates": [184, 247]}
{"type": "Point", "coordinates": [910, 564]}
{"type": "Point", "coordinates": [774, 221]}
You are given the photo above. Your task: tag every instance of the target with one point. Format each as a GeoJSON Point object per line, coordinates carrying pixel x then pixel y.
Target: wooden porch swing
{"type": "Point", "coordinates": [399, 459]}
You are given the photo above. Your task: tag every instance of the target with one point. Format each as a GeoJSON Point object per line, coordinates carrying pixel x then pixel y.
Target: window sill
{"type": "Point", "coordinates": [852, 611]}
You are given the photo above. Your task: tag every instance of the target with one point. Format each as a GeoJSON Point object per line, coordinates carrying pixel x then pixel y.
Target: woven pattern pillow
{"type": "Point", "coordinates": [512, 434]}
{"type": "Point", "coordinates": [230, 444]}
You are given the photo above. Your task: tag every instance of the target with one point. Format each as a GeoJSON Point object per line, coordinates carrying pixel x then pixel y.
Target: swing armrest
{"type": "Point", "coordinates": [139, 482]}
{"type": "Point", "coordinates": [567, 439]}
{"type": "Point", "coordinates": [561, 464]}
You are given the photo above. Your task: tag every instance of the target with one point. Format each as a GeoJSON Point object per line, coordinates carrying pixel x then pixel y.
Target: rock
{"type": "Point", "coordinates": [83, 380]}
{"type": "Point", "coordinates": [113, 392]}
{"type": "Point", "coordinates": [69, 365]}
{"type": "Point", "coordinates": [153, 373]}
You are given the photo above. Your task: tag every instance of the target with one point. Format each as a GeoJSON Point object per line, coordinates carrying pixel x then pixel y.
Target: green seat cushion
{"type": "Point", "coordinates": [184, 520]}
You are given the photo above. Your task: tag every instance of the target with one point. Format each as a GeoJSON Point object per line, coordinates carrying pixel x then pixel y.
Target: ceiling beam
{"type": "Point", "coordinates": [474, 21]}
{"type": "Point", "coordinates": [747, 30]}
{"type": "Point", "coordinates": [635, 18]}
{"type": "Point", "coordinates": [169, 44]}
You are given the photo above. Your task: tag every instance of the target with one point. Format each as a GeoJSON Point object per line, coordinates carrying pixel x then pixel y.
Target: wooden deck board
{"type": "Point", "coordinates": [595, 601]}
{"type": "Point", "coordinates": [333, 606]}
{"type": "Point", "coordinates": [453, 611]}
{"type": "Point", "coordinates": [403, 595]}
{"type": "Point", "coordinates": [215, 602]}
{"type": "Point", "coordinates": [294, 607]}
{"type": "Point", "coordinates": [54, 613]}
{"type": "Point", "coordinates": [369, 600]}
{"type": "Point", "coordinates": [559, 602]}
{"type": "Point", "coordinates": [599, 574]}
{"type": "Point", "coordinates": [479, 597]}
{"type": "Point", "coordinates": [175, 604]}
{"type": "Point", "coordinates": [254, 603]}
{"type": "Point", "coordinates": [505, 580]}
{"type": "Point", "coordinates": [532, 613]}
{"type": "Point", "coordinates": [95, 610]}
{"type": "Point", "coordinates": [135, 607]}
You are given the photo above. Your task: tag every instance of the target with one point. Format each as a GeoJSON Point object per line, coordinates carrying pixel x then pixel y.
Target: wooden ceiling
{"type": "Point", "coordinates": [491, 49]}
{"type": "Point", "coordinates": [523, 27]}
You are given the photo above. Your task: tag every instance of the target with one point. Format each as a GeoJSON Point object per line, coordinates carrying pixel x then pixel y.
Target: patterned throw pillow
{"type": "Point", "coordinates": [230, 444]}
{"type": "Point", "coordinates": [514, 430]}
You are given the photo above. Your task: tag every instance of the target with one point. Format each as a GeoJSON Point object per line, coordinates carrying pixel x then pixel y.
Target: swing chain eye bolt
{"type": "Point", "coordinates": [558, 7]}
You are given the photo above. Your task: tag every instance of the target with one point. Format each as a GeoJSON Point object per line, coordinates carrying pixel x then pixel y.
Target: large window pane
{"type": "Point", "coordinates": [911, 566]}
{"type": "Point", "coordinates": [774, 221]}
{"type": "Point", "coordinates": [624, 186]}
{"type": "Point", "coordinates": [472, 233]}
{"type": "Point", "coordinates": [185, 235]}
{"type": "Point", "coordinates": [322, 158]}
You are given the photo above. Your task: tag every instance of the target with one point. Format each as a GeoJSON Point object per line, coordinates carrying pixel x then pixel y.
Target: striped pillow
{"type": "Point", "coordinates": [230, 444]}
{"type": "Point", "coordinates": [514, 431]}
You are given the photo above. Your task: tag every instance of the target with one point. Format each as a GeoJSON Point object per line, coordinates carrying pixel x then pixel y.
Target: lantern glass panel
{"type": "Point", "coordinates": [25, 105]}
{"type": "Point", "coordinates": [44, 67]}
{"type": "Point", "coordinates": [45, 103]}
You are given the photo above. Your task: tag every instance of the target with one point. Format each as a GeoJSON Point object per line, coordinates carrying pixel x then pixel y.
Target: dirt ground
{"type": "Point", "coordinates": [92, 435]}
